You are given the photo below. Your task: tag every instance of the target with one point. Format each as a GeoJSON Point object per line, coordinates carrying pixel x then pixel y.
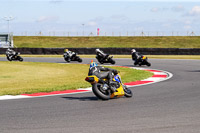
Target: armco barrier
{"type": "Point", "coordinates": [122, 51]}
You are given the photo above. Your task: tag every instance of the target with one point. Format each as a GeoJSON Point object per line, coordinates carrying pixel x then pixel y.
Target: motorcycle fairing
{"type": "Point", "coordinates": [118, 93]}
{"type": "Point", "coordinates": [144, 57]}
{"type": "Point", "coordinates": [120, 90]}
{"type": "Point", "coordinates": [92, 79]}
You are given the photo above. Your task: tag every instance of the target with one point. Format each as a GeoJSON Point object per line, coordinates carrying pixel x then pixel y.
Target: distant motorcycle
{"type": "Point", "coordinates": [69, 58]}
{"type": "Point", "coordinates": [105, 93]}
{"type": "Point", "coordinates": [143, 60]}
{"type": "Point", "coordinates": [107, 59]}
{"type": "Point", "coordinates": [14, 57]}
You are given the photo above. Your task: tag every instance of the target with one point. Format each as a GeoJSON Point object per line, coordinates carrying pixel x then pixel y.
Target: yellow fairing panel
{"type": "Point", "coordinates": [96, 80]}
{"type": "Point", "coordinates": [119, 93]}
{"type": "Point", "coordinates": [144, 57]}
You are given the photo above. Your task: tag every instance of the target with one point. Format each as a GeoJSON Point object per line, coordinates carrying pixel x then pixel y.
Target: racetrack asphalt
{"type": "Point", "coordinates": [171, 106]}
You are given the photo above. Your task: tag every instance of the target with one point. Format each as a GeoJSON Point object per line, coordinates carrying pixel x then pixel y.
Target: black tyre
{"type": "Point", "coordinates": [128, 92]}
{"type": "Point", "coordinates": [101, 62]}
{"type": "Point", "coordinates": [9, 59]}
{"type": "Point", "coordinates": [99, 92]}
{"type": "Point", "coordinates": [148, 64]}
{"type": "Point", "coordinates": [79, 59]}
{"type": "Point", "coordinates": [67, 59]}
{"type": "Point", "coordinates": [20, 58]}
{"type": "Point", "coordinates": [111, 61]}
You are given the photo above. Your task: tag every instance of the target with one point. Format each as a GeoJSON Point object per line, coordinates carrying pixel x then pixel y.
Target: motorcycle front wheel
{"type": "Point", "coordinates": [19, 58]}
{"type": "Point", "coordinates": [99, 92]}
{"type": "Point", "coordinates": [79, 59]}
{"type": "Point", "coordinates": [148, 64]}
{"type": "Point", "coordinates": [111, 61]}
{"type": "Point", "coordinates": [127, 92]}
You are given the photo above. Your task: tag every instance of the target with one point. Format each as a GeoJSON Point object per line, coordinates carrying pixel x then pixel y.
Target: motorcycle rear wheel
{"type": "Point", "coordinates": [19, 58]}
{"type": "Point", "coordinates": [99, 92]}
{"type": "Point", "coordinates": [80, 60]}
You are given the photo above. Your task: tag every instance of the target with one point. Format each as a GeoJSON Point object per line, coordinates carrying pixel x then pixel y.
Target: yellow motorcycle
{"type": "Point", "coordinates": [103, 91]}
{"type": "Point", "coordinates": [143, 60]}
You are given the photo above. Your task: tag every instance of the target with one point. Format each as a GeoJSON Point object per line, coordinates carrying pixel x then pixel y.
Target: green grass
{"type": "Point", "coordinates": [102, 42]}
{"type": "Point", "coordinates": [30, 77]}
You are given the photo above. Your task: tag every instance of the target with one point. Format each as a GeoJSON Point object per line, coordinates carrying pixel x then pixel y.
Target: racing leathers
{"type": "Point", "coordinates": [102, 72]}
{"type": "Point", "coordinates": [136, 56]}
{"type": "Point", "coordinates": [71, 54]}
{"type": "Point", "coordinates": [10, 53]}
{"type": "Point", "coordinates": [101, 54]}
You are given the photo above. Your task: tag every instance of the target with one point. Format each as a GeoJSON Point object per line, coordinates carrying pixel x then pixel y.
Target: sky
{"type": "Point", "coordinates": [110, 16]}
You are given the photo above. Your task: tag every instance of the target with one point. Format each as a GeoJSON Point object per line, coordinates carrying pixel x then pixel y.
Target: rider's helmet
{"type": "Point", "coordinates": [65, 50]}
{"type": "Point", "coordinates": [133, 51]}
{"type": "Point", "coordinates": [97, 50]}
{"type": "Point", "coordinates": [93, 64]}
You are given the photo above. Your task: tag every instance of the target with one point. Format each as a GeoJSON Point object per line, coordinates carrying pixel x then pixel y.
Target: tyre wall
{"type": "Point", "coordinates": [122, 51]}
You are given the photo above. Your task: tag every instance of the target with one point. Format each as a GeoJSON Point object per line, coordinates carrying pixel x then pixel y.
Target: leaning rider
{"type": "Point", "coordinates": [70, 53]}
{"type": "Point", "coordinates": [136, 56]}
{"type": "Point", "coordinates": [102, 72]}
{"type": "Point", "coordinates": [10, 53]}
{"type": "Point", "coordinates": [101, 54]}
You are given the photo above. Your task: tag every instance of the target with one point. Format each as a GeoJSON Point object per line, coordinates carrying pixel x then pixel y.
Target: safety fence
{"type": "Point", "coordinates": [104, 33]}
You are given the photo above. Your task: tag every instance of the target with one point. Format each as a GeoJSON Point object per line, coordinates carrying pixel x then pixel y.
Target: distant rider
{"type": "Point", "coordinates": [101, 54]}
{"type": "Point", "coordinates": [102, 72]}
{"type": "Point", "coordinates": [10, 53]}
{"type": "Point", "coordinates": [70, 53]}
{"type": "Point", "coordinates": [136, 56]}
